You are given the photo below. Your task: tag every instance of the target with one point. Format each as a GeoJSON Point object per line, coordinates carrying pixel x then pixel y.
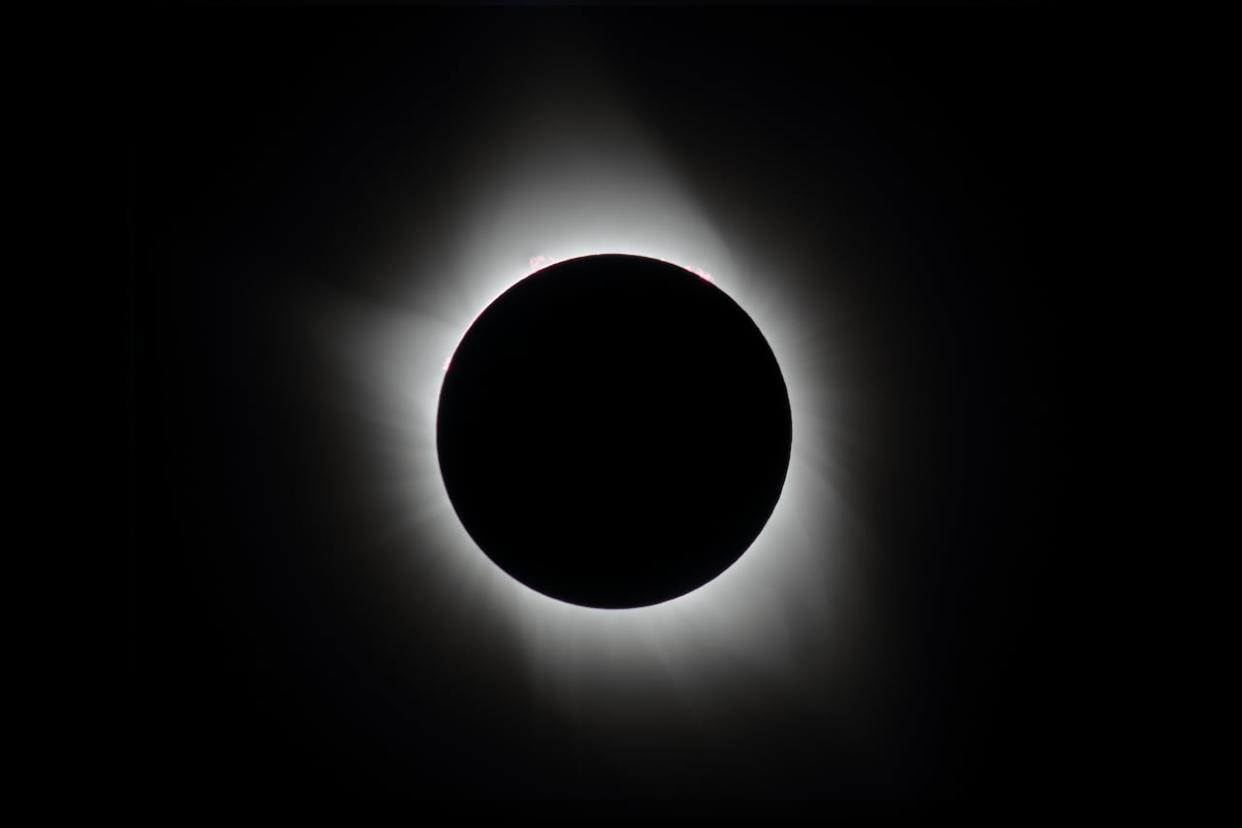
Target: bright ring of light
{"type": "Point", "coordinates": [539, 207]}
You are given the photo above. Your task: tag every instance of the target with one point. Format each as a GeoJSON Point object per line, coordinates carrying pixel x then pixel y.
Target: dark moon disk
{"type": "Point", "coordinates": [614, 431]}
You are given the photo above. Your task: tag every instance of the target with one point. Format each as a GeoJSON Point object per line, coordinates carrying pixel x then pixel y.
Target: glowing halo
{"type": "Point", "coordinates": [543, 201]}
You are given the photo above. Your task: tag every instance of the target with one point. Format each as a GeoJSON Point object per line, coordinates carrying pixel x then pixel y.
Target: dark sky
{"type": "Point", "coordinates": [276, 151]}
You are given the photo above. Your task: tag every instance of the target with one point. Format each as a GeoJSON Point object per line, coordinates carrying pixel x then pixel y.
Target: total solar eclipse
{"type": "Point", "coordinates": [613, 431]}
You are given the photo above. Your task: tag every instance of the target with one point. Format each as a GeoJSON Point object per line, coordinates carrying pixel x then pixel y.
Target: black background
{"type": "Point", "coordinates": [937, 149]}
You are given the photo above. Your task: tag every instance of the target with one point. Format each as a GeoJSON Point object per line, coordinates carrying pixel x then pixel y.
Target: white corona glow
{"type": "Point", "coordinates": [558, 191]}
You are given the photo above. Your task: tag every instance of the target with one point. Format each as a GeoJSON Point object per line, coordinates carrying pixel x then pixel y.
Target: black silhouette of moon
{"type": "Point", "coordinates": [614, 431]}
